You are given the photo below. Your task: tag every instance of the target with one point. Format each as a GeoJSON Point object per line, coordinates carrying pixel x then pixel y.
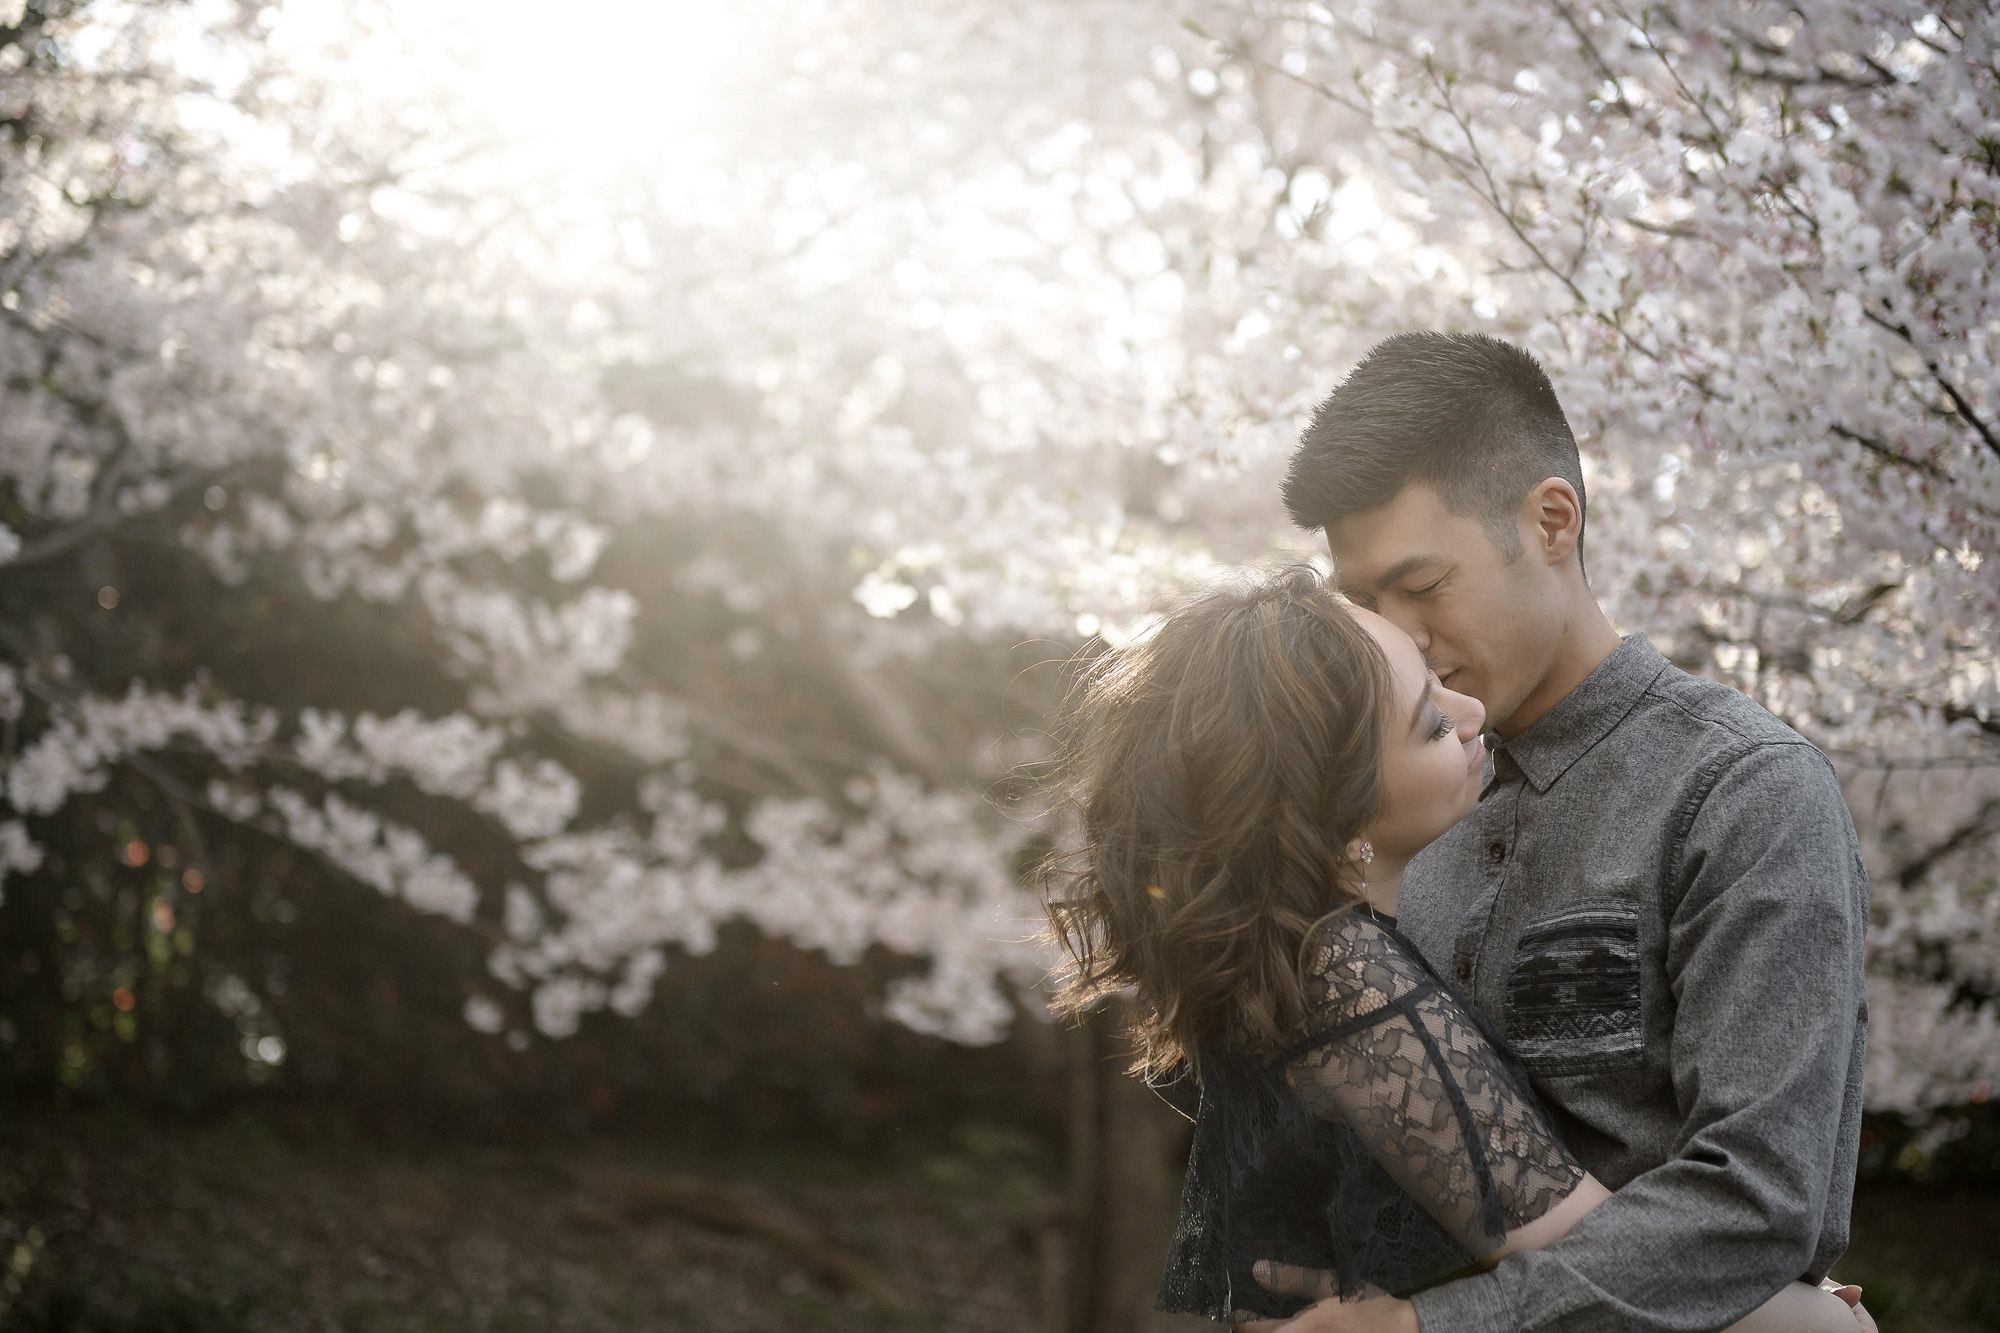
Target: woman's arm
{"type": "Point", "coordinates": [1435, 1099]}
{"type": "Point", "coordinates": [1551, 1226]}
{"type": "Point", "coordinates": [1443, 1107]}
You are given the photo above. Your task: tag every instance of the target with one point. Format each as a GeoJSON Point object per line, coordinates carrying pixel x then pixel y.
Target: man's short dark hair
{"type": "Point", "coordinates": [1471, 417]}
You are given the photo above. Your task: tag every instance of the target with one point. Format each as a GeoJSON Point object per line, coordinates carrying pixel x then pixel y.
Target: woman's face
{"type": "Point", "coordinates": [1431, 753]}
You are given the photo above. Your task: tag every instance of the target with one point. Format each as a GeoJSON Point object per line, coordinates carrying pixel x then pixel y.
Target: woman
{"type": "Point", "coordinates": [1251, 780]}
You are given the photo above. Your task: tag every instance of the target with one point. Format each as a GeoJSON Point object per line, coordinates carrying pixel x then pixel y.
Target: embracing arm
{"type": "Point", "coordinates": [1415, 1078]}
{"type": "Point", "coordinates": [1437, 1104]}
{"type": "Point", "coordinates": [1764, 957]}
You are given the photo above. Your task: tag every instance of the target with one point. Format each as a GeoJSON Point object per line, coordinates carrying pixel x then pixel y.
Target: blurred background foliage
{"type": "Point", "coordinates": [134, 975]}
{"type": "Point", "coordinates": [761, 481]}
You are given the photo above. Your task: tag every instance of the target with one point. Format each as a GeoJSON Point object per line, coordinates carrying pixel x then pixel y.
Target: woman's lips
{"type": "Point", "coordinates": [1478, 760]}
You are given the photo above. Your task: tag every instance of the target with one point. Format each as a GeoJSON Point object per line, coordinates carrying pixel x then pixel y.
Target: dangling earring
{"type": "Point", "coordinates": [1363, 852]}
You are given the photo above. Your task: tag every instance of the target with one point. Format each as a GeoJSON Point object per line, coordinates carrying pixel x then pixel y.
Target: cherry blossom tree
{"type": "Point", "coordinates": [746, 477]}
{"type": "Point", "coordinates": [1756, 246]}
{"type": "Point", "coordinates": [590, 557]}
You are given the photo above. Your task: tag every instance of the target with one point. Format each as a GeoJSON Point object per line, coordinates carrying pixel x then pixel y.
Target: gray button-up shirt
{"type": "Point", "coordinates": [1661, 902]}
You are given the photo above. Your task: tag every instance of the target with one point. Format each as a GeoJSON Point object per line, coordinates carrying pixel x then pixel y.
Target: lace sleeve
{"type": "Point", "coordinates": [1426, 1089]}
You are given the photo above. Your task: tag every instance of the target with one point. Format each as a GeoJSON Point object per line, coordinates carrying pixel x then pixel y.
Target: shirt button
{"type": "Point", "coordinates": [1463, 969]}
{"type": "Point", "coordinates": [1496, 852]}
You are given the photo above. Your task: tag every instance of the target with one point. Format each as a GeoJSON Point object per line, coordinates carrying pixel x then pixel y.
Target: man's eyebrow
{"type": "Point", "coordinates": [1407, 565]}
{"type": "Point", "coordinates": [1417, 720]}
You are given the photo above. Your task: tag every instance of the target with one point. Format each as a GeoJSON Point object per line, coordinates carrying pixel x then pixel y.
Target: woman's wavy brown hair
{"type": "Point", "coordinates": [1218, 768]}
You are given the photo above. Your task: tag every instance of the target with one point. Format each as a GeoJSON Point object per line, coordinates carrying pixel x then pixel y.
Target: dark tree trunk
{"type": "Point", "coordinates": [1124, 1143]}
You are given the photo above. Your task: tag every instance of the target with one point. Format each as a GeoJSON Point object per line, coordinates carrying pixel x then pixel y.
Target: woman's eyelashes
{"type": "Point", "coordinates": [1446, 725]}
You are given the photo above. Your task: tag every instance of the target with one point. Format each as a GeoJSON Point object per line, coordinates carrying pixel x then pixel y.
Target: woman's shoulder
{"type": "Point", "coordinates": [1358, 964]}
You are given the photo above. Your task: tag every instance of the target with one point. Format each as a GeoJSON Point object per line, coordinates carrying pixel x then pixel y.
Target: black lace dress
{"type": "Point", "coordinates": [1391, 1146]}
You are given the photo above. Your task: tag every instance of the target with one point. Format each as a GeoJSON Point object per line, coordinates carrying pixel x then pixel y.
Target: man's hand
{"type": "Point", "coordinates": [1381, 1314]}
{"type": "Point", "coordinates": [1312, 1284]}
{"type": "Point", "coordinates": [1852, 1295]}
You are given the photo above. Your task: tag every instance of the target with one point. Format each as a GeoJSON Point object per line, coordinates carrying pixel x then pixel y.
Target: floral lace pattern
{"type": "Point", "coordinates": [1392, 1146]}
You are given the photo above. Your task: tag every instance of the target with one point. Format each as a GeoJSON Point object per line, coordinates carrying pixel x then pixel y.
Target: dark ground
{"type": "Point", "coordinates": [235, 1226]}
{"type": "Point", "coordinates": [116, 1224]}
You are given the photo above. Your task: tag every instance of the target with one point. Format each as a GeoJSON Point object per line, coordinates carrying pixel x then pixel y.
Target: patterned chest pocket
{"type": "Point", "coordinates": [1573, 996]}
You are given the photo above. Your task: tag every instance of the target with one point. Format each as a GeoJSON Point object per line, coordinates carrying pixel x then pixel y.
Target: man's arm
{"type": "Point", "coordinates": [1764, 956]}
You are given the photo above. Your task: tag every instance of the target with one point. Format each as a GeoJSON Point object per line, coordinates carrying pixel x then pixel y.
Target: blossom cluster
{"type": "Point", "coordinates": [764, 485]}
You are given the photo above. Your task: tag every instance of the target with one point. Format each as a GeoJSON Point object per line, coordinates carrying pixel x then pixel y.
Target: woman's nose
{"type": "Point", "coordinates": [1472, 716]}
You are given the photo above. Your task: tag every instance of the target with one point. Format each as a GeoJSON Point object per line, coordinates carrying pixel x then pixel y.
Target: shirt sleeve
{"type": "Point", "coordinates": [1432, 1099]}
{"type": "Point", "coordinates": [1764, 958]}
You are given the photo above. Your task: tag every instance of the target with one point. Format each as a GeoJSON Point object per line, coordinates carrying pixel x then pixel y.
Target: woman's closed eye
{"type": "Point", "coordinates": [1446, 725]}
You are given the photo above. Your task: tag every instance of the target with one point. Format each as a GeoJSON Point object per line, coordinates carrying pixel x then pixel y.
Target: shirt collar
{"type": "Point", "coordinates": [1586, 715]}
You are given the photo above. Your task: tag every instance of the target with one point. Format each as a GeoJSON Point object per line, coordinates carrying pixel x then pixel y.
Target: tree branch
{"type": "Point", "coordinates": [1985, 824]}
{"type": "Point", "coordinates": [1720, 137]}
{"type": "Point", "coordinates": [1857, 610]}
{"type": "Point", "coordinates": [1889, 453]}
{"type": "Point", "coordinates": [1966, 411]}
{"type": "Point", "coordinates": [1989, 725]}
{"type": "Point", "coordinates": [104, 513]}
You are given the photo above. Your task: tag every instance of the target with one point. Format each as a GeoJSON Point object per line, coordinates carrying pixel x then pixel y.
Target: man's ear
{"type": "Point", "coordinates": [1552, 520]}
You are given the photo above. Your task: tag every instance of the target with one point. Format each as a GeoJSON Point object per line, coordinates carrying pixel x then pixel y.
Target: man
{"type": "Point", "coordinates": [1659, 898]}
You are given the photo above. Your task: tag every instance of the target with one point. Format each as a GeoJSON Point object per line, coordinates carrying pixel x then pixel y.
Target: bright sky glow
{"type": "Point", "coordinates": [594, 85]}
{"type": "Point", "coordinates": [596, 79]}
